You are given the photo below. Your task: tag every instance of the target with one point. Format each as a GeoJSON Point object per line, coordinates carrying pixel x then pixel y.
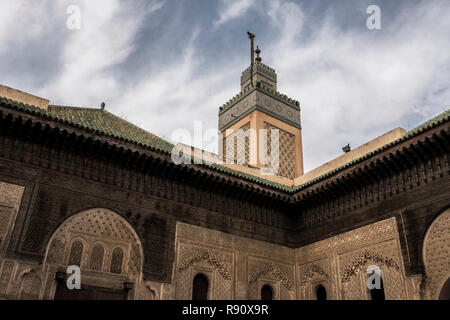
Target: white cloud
{"type": "Point", "coordinates": [22, 21]}
{"type": "Point", "coordinates": [179, 94]}
{"type": "Point", "coordinates": [106, 38]}
{"type": "Point", "coordinates": [231, 9]}
{"type": "Point", "coordinates": [354, 84]}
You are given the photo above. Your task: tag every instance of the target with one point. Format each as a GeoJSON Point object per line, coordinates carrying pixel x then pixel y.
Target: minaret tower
{"type": "Point", "coordinates": [260, 106]}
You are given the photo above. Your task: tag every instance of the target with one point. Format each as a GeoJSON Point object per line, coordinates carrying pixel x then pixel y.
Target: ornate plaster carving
{"type": "Point", "coordinates": [436, 253]}
{"type": "Point", "coordinates": [211, 257]}
{"type": "Point", "coordinates": [275, 270]}
{"type": "Point", "coordinates": [362, 260]}
{"type": "Point", "coordinates": [308, 275]}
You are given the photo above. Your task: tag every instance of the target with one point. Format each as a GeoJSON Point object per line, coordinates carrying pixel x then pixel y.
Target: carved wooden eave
{"type": "Point", "coordinates": [386, 163]}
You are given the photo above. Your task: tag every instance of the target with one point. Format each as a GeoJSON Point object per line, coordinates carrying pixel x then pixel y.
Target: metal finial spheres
{"type": "Point", "coordinates": [258, 51]}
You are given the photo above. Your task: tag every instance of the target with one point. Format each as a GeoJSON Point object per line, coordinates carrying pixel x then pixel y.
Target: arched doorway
{"type": "Point", "coordinates": [321, 293]}
{"type": "Point", "coordinates": [106, 249]}
{"type": "Point", "coordinates": [445, 291]}
{"type": "Point", "coordinates": [200, 287]}
{"type": "Point", "coordinates": [435, 255]}
{"type": "Point", "coordinates": [266, 293]}
{"type": "Point", "coordinates": [378, 294]}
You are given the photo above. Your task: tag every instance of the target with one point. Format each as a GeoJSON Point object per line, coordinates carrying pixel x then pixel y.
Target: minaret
{"type": "Point", "coordinates": [260, 106]}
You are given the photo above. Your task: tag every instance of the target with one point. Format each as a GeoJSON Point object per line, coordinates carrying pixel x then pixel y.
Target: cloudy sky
{"type": "Point", "coordinates": [165, 64]}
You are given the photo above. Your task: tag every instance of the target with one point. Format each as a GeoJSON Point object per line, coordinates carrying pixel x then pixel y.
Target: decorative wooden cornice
{"type": "Point", "coordinates": [419, 159]}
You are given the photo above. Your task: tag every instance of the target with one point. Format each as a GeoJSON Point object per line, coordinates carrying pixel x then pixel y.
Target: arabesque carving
{"type": "Point", "coordinates": [209, 256]}
{"type": "Point", "coordinates": [360, 262]}
{"type": "Point", "coordinates": [275, 270]}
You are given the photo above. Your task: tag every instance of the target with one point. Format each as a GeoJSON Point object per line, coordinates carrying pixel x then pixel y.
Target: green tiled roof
{"type": "Point", "coordinates": [99, 120]}
{"type": "Point", "coordinates": [430, 123]}
{"type": "Point", "coordinates": [109, 124]}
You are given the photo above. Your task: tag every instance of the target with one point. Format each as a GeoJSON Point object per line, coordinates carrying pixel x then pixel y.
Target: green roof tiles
{"type": "Point", "coordinates": [96, 119]}
{"type": "Point", "coordinates": [109, 124]}
{"type": "Point", "coordinates": [430, 123]}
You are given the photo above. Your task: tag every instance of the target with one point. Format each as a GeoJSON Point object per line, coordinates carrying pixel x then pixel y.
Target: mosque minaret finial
{"type": "Point", "coordinates": [258, 51]}
{"type": "Point", "coordinates": [251, 36]}
{"type": "Point", "coordinates": [261, 108]}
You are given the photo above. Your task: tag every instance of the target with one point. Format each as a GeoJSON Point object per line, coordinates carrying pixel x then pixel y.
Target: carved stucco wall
{"type": "Point", "coordinates": [215, 265]}
{"type": "Point", "coordinates": [107, 229]}
{"type": "Point", "coordinates": [236, 267]}
{"type": "Point", "coordinates": [240, 267]}
{"type": "Point", "coordinates": [278, 275]}
{"type": "Point", "coordinates": [10, 199]}
{"type": "Point", "coordinates": [22, 280]}
{"type": "Point", "coordinates": [340, 263]}
{"type": "Point", "coordinates": [436, 254]}
{"type": "Point", "coordinates": [236, 146]}
{"type": "Point", "coordinates": [311, 275]}
{"type": "Point", "coordinates": [10, 273]}
{"type": "Point", "coordinates": [30, 286]}
{"type": "Point", "coordinates": [97, 227]}
{"type": "Point", "coordinates": [282, 152]}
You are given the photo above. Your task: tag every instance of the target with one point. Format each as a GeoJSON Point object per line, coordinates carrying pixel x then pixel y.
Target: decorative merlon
{"type": "Point", "coordinates": [263, 88]}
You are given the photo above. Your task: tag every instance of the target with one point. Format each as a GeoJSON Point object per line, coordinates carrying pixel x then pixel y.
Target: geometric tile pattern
{"type": "Point", "coordinates": [348, 256]}
{"type": "Point", "coordinates": [217, 266]}
{"type": "Point", "coordinates": [436, 253]}
{"type": "Point", "coordinates": [99, 229]}
{"type": "Point", "coordinates": [286, 151]}
{"type": "Point", "coordinates": [239, 148]}
{"type": "Point", "coordinates": [10, 199]}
